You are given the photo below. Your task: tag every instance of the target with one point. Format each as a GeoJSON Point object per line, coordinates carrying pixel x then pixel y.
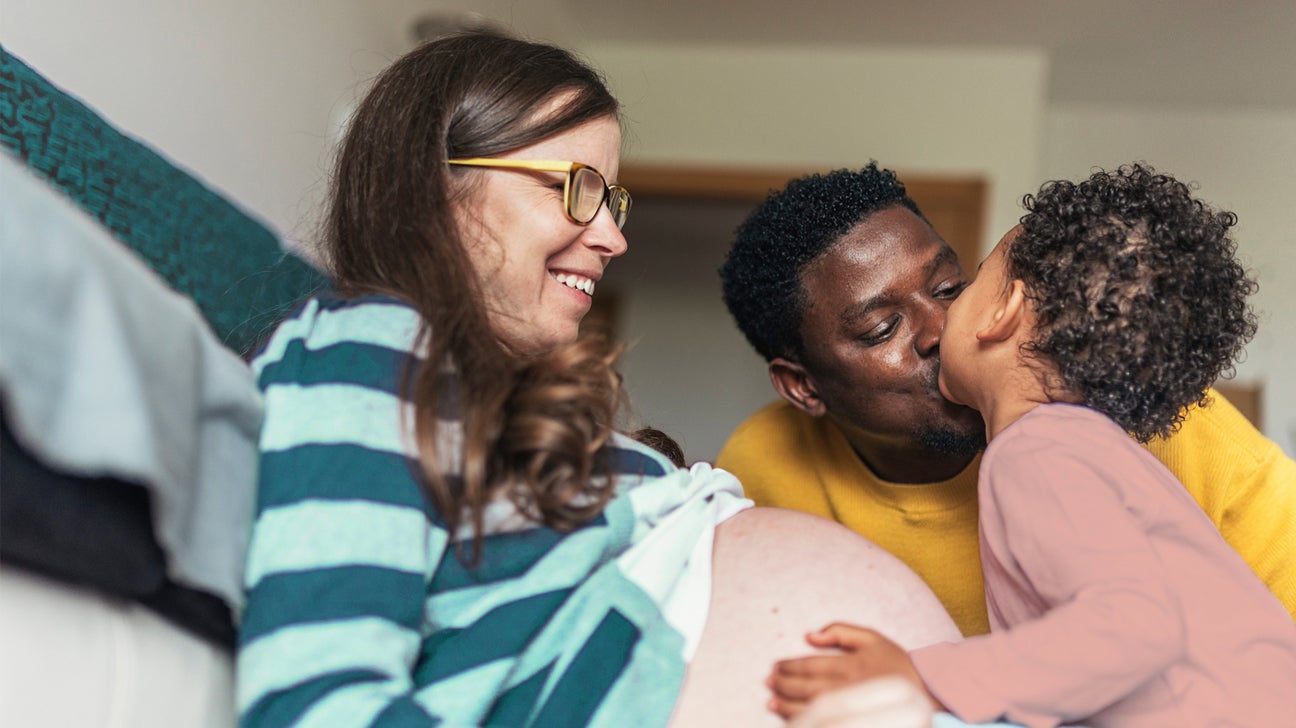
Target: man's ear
{"type": "Point", "coordinates": [793, 383]}
{"type": "Point", "coordinates": [1009, 314]}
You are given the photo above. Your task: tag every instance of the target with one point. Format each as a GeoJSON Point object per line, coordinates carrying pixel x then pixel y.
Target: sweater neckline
{"type": "Point", "coordinates": [912, 498]}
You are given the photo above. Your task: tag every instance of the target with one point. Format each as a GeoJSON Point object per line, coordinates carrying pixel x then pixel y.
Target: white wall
{"type": "Point", "coordinates": [949, 110]}
{"type": "Point", "coordinates": [959, 111]}
{"type": "Point", "coordinates": [1244, 160]}
{"type": "Point", "coordinates": [246, 93]}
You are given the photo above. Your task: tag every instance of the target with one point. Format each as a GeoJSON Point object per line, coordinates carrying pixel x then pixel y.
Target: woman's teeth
{"type": "Point", "coordinates": [580, 283]}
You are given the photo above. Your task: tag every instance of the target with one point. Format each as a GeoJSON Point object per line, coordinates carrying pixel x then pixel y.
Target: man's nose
{"type": "Point", "coordinates": [930, 326]}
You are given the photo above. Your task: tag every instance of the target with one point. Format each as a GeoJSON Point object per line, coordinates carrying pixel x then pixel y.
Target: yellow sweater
{"type": "Point", "coordinates": [1242, 480]}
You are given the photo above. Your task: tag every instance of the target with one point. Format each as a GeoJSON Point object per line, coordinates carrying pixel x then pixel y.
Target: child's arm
{"type": "Point", "coordinates": [1062, 542]}
{"type": "Point", "coordinates": [865, 654]}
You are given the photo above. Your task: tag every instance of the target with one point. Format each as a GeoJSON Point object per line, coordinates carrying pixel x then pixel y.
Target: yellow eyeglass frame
{"type": "Point", "coordinates": [616, 197]}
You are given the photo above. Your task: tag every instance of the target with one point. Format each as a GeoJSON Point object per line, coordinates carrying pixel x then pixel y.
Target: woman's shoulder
{"type": "Point", "coordinates": [334, 331]}
{"type": "Point", "coordinates": [328, 318]}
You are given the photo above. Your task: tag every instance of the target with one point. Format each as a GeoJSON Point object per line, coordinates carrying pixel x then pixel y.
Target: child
{"type": "Point", "coordinates": [1113, 600]}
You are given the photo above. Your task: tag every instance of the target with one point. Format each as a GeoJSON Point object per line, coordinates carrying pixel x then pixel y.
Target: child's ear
{"type": "Point", "coordinates": [793, 383]}
{"type": "Point", "coordinates": [1009, 313]}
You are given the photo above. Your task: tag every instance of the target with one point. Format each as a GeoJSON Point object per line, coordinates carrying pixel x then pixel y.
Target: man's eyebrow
{"type": "Point", "coordinates": [946, 256]}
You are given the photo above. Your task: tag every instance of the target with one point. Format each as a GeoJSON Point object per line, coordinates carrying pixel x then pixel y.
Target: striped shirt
{"type": "Point", "coordinates": [360, 610]}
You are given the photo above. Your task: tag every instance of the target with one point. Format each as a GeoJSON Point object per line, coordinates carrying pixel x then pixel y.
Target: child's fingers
{"type": "Point", "coordinates": [822, 665]}
{"type": "Point", "coordinates": [844, 636]}
{"type": "Point", "coordinates": [833, 670]}
{"type": "Point", "coordinates": [799, 688]}
{"type": "Point", "coordinates": [822, 639]}
{"type": "Point", "coordinates": [785, 707]}
{"type": "Point", "coordinates": [888, 701]}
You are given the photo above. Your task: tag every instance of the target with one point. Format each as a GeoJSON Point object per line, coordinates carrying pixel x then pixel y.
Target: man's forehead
{"type": "Point", "coordinates": [880, 257]}
{"type": "Point", "coordinates": [890, 228]}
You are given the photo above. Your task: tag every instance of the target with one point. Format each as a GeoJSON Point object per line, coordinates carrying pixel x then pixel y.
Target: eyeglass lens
{"type": "Point", "coordinates": [588, 190]}
{"type": "Point", "coordinates": [619, 204]}
{"type": "Point", "coordinates": [586, 194]}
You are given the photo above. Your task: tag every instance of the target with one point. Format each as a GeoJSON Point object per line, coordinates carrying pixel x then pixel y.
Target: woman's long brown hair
{"type": "Point", "coordinates": [531, 425]}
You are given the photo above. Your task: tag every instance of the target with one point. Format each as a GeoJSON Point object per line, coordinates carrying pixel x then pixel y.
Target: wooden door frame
{"type": "Point", "coordinates": [955, 205]}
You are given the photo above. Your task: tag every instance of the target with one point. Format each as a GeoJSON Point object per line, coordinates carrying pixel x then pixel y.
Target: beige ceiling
{"type": "Point", "coordinates": [1186, 52]}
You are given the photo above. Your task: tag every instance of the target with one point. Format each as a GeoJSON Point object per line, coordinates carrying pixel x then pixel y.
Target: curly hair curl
{"type": "Point", "coordinates": [761, 275]}
{"type": "Point", "coordinates": [1140, 300]}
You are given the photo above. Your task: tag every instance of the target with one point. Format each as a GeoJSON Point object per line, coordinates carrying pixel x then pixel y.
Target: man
{"type": "Point", "coordinates": [842, 285]}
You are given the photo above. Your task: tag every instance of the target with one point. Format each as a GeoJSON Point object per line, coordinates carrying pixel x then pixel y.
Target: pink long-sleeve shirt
{"type": "Point", "coordinates": [1113, 600]}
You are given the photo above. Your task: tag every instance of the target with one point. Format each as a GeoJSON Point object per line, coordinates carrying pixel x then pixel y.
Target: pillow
{"type": "Point", "coordinates": [129, 286]}
{"type": "Point", "coordinates": [96, 532]}
{"type": "Point", "coordinates": [229, 264]}
{"type": "Point", "coordinates": [110, 376]}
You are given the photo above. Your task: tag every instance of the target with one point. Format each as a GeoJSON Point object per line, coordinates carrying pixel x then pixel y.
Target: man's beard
{"type": "Point", "coordinates": [948, 440]}
{"type": "Point", "coordinates": [953, 442]}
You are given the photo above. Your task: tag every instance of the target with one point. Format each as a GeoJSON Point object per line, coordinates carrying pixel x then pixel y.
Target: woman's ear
{"type": "Point", "coordinates": [1009, 314]}
{"type": "Point", "coordinates": [793, 383]}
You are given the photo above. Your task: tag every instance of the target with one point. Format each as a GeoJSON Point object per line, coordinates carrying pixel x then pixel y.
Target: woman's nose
{"type": "Point", "coordinates": [603, 235]}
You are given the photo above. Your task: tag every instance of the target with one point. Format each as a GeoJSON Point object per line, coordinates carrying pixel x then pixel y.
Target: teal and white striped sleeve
{"type": "Point", "coordinates": [343, 546]}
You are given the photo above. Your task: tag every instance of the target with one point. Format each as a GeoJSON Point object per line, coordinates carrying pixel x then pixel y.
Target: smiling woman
{"type": "Point", "coordinates": [537, 291]}
{"type": "Point", "coordinates": [448, 529]}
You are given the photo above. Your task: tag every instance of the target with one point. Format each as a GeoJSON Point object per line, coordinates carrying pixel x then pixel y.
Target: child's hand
{"type": "Point", "coordinates": [890, 701]}
{"type": "Point", "coordinates": [865, 654]}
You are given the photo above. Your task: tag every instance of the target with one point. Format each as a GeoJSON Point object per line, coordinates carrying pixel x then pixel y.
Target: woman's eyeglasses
{"type": "Point", "coordinates": [584, 190]}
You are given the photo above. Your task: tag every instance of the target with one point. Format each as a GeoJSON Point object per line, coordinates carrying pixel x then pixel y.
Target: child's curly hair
{"type": "Point", "coordinates": [1141, 304]}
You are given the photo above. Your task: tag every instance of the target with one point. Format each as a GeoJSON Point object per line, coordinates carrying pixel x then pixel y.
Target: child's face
{"type": "Point", "coordinates": [961, 351]}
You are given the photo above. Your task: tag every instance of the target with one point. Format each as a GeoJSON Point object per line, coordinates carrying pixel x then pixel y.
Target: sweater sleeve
{"type": "Point", "coordinates": [1110, 621]}
{"type": "Point", "coordinates": [342, 549]}
{"type": "Point", "coordinates": [1258, 524]}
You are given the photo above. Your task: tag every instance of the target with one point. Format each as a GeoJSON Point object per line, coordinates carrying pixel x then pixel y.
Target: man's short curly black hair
{"type": "Point", "coordinates": [761, 275]}
{"type": "Point", "coordinates": [1141, 304]}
